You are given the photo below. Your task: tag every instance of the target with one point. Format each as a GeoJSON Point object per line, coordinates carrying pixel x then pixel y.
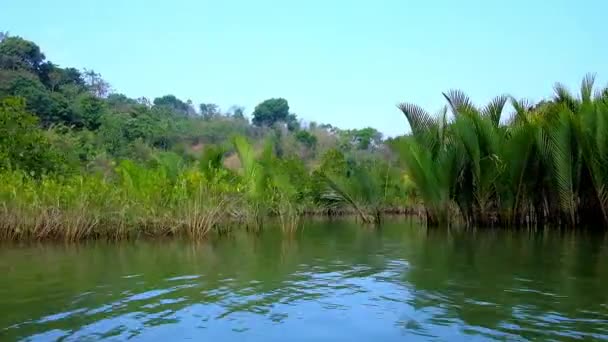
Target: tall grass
{"type": "Point", "coordinates": [138, 201]}
{"type": "Point", "coordinates": [168, 197]}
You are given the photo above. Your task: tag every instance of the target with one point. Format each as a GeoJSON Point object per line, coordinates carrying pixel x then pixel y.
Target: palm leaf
{"type": "Point", "coordinates": [431, 176]}
{"type": "Point", "coordinates": [564, 96]}
{"type": "Point", "coordinates": [459, 102]}
{"type": "Point", "coordinates": [522, 108]}
{"type": "Point", "coordinates": [494, 109]}
{"type": "Point", "coordinates": [420, 120]}
{"type": "Point", "coordinates": [245, 153]}
{"type": "Point", "coordinates": [587, 87]}
{"type": "Point", "coordinates": [561, 150]}
{"type": "Point", "coordinates": [338, 194]}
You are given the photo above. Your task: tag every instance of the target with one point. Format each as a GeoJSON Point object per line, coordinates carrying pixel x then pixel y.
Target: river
{"type": "Point", "coordinates": [331, 281]}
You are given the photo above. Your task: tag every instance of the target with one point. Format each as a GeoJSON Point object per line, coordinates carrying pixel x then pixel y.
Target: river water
{"type": "Point", "coordinates": [328, 282]}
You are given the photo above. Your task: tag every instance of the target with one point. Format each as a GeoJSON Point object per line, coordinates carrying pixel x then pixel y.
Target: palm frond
{"type": "Point", "coordinates": [494, 109]}
{"type": "Point", "coordinates": [564, 96]}
{"type": "Point", "coordinates": [561, 150]}
{"type": "Point", "coordinates": [459, 102]}
{"type": "Point", "coordinates": [245, 153]}
{"type": "Point", "coordinates": [520, 105]}
{"type": "Point", "coordinates": [587, 87]}
{"type": "Point", "coordinates": [600, 94]}
{"type": "Point", "coordinates": [430, 175]}
{"type": "Point", "coordinates": [337, 194]}
{"type": "Point", "coordinates": [419, 119]}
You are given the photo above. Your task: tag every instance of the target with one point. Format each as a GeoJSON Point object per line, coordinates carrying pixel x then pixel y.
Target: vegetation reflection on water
{"type": "Point", "coordinates": [330, 281]}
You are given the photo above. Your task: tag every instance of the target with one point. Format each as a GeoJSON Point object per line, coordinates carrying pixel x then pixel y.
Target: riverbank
{"type": "Point", "coordinates": [136, 201]}
{"type": "Point", "coordinates": [78, 225]}
{"type": "Point", "coordinates": [88, 223]}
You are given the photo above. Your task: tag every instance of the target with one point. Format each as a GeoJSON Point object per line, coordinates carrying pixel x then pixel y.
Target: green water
{"type": "Point", "coordinates": [329, 282]}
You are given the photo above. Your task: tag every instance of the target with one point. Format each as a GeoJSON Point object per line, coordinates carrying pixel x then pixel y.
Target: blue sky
{"type": "Point", "coordinates": [344, 62]}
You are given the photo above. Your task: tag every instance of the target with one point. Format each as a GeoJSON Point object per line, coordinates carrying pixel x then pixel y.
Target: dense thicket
{"type": "Point", "coordinates": [545, 164]}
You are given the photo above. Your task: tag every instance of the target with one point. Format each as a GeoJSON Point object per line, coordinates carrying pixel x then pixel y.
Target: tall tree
{"type": "Point", "coordinates": [97, 85]}
{"type": "Point", "coordinates": [209, 110]}
{"type": "Point", "coordinates": [22, 143]}
{"type": "Point", "coordinates": [237, 112]}
{"type": "Point", "coordinates": [366, 138]}
{"type": "Point", "coordinates": [88, 110]}
{"type": "Point", "coordinates": [292, 122]}
{"type": "Point", "coordinates": [270, 111]}
{"type": "Point", "coordinates": [17, 53]}
{"type": "Point", "coordinates": [172, 103]}
{"type": "Point", "coordinates": [49, 107]}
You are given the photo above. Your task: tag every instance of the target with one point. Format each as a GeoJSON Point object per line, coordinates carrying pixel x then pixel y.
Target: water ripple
{"type": "Point", "coordinates": [378, 286]}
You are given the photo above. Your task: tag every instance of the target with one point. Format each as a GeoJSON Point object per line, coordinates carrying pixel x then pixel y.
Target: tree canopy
{"type": "Point", "coordinates": [17, 53]}
{"type": "Point", "coordinates": [85, 118]}
{"type": "Point", "coordinates": [270, 112]}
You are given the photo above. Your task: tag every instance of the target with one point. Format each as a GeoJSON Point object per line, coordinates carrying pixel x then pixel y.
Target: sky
{"type": "Point", "coordinates": [343, 62]}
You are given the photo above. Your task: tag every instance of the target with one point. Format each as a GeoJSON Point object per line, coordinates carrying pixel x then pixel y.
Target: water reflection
{"type": "Point", "coordinates": [332, 281]}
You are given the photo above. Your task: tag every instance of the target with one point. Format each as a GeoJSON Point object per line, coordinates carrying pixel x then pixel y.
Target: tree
{"type": "Point", "coordinates": [173, 104]}
{"type": "Point", "coordinates": [112, 132]}
{"type": "Point", "coordinates": [56, 78]}
{"type": "Point", "coordinates": [237, 112]}
{"type": "Point", "coordinates": [292, 122]}
{"type": "Point", "coordinates": [270, 111]}
{"type": "Point", "coordinates": [49, 107]}
{"type": "Point", "coordinates": [22, 144]}
{"type": "Point", "coordinates": [88, 111]}
{"type": "Point", "coordinates": [144, 101]}
{"type": "Point", "coordinates": [97, 85]}
{"type": "Point", "coordinates": [191, 110]}
{"type": "Point", "coordinates": [306, 139]}
{"type": "Point", "coordinates": [121, 103]}
{"type": "Point", "coordinates": [17, 53]}
{"type": "Point", "coordinates": [364, 138]}
{"type": "Point", "coordinates": [209, 110]}
{"type": "Point", "coordinates": [53, 79]}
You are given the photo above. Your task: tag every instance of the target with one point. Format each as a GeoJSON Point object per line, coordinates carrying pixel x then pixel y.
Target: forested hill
{"type": "Point", "coordinates": [65, 120]}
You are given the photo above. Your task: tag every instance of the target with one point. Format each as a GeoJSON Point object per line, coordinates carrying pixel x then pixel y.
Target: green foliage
{"type": "Point", "coordinates": [366, 187]}
{"type": "Point", "coordinates": [209, 110]}
{"type": "Point", "coordinates": [57, 79]}
{"type": "Point", "coordinates": [211, 161]}
{"type": "Point", "coordinates": [307, 139]}
{"type": "Point", "coordinates": [88, 111]}
{"type": "Point", "coordinates": [548, 164]}
{"type": "Point", "coordinates": [120, 103]}
{"type": "Point", "coordinates": [237, 113]}
{"type": "Point", "coordinates": [270, 112]}
{"type": "Point", "coordinates": [17, 53]}
{"type": "Point", "coordinates": [172, 103]}
{"type": "Point", "coordinates": [292, 123]}
{"type": "Point", "coordinates": [161, 198]}
{"type": "Point", "coordinates": [49, 107]}
{"type": "Point", "coordinates": [95, 84]}
{"type": "Point", "coordinates": [364, 139]}
{"type": "Point", "coordinates": [23, 145]}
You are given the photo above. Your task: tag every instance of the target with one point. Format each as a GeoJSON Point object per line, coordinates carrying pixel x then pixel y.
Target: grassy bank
{"type": "Point", "coordinates": [170, 197]}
